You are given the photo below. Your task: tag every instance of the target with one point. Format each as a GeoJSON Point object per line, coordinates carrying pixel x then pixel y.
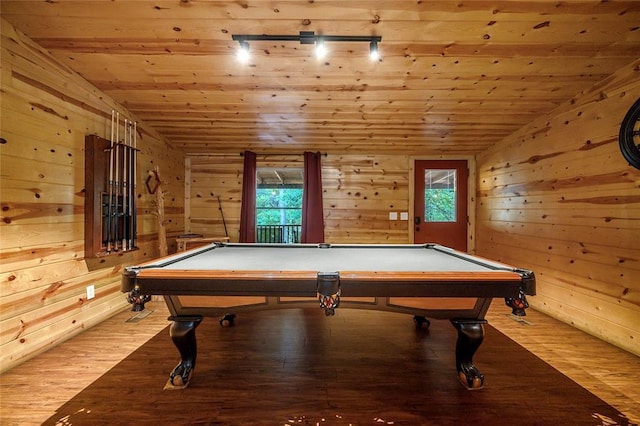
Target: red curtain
{"type": "Point", "coordinates": [312, 215]}
{"type": "Point", "coordinates": [248, 206]}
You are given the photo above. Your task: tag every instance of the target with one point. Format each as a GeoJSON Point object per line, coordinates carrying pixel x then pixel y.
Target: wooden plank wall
{"type": "Point", "coordinates": [206, 179]}
{"type": "Point", "coordinates": [559, 198]}
{"type": "Point", "coordinates": [359, 191]}
{"type": "Point", "coordinates": [46, 112]}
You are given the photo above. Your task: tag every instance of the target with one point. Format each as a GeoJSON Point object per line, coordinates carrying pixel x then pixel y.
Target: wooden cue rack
{"type": "Point", "coordinates": [110, 221]}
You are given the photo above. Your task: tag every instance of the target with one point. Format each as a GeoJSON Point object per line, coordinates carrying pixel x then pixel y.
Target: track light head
{"type": "Point", "coordinates": [321, 50]}
{"type": "Point", "coordinates": [374, 54]}
{"type": "Point", "coordinates": [243, 52]}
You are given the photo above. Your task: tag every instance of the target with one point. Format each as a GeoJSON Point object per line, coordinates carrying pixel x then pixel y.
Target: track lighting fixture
{"type": "Point", "coordinates": [374, 55]}
{"type": "Point", "coordinates": [321, 50]}
{"type": "Point", "coordinates": [307, 37]}
{"type": "Point", "coordinates": [243, 52]}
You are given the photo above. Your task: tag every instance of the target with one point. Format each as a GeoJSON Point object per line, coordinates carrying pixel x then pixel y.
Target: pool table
{"type": "Point", "coordinates": [426, 280]}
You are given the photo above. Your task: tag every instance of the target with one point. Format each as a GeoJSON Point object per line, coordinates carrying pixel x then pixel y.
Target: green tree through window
{"type": "Point", "coordinates": [440, 205]}
{"type": "Point", "coordinates": [278, 214]}
{"type": "Point", "coordinates": [279, 206]}
{"type": "Point", "coordinates": [440, 195]}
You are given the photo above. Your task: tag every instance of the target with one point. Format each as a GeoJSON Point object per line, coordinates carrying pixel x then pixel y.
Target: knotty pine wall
{"type": "Point", "coordinates": [358, 194]}
{"type": "Point", "coordinates": [46, 112]}
{"type": "Point", "coordinates": [359, 191]}
{"type": "Point", "coordinates": [558, 197]}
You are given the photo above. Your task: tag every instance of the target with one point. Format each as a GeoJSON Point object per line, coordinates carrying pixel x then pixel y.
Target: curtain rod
{"type": "Point", "coordinates": [287, 154]}
{"type": "Point", "coordinates": [212, 154]}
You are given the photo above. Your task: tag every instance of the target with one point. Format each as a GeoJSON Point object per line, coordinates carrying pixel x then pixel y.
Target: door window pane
{"type": "Point", "coordinates": [440, 195]}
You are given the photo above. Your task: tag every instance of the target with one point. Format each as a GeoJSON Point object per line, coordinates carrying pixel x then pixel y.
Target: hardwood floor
{"type": "Point", "coordinates": [31, 392]}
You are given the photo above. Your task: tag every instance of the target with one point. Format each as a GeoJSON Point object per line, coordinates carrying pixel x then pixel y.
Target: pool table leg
{"type": "Point", "coordinates": [470, 336]}
{"type": "Point", "coordinates": [183, 335]}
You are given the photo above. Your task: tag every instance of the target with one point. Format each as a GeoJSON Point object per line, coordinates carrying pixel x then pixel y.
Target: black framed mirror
{"type": "Point", "coordinates": [629, 136]}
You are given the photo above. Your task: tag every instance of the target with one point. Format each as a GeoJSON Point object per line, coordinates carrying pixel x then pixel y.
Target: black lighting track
{"type": "Point", "coordinates": [306, 37]}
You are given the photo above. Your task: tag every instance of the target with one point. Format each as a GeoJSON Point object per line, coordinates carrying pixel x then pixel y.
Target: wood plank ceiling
{"type": "Point", "coordinates": [454, 77]}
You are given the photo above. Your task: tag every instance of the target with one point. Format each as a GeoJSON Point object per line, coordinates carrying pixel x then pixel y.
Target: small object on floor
{"type": "Point", "coordinates": [519, 319]}
{"type": "Point", "coordinates": [140, 316]}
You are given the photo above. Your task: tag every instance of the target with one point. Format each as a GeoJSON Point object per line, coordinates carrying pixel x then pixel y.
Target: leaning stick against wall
{"type": "Point", "coordinates": [162, 232]}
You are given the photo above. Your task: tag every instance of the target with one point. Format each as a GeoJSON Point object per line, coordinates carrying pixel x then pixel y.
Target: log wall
{"type": "Point", "coordinates": [46, 112]}
{"type": "Point", "coordinates": [558, 197]}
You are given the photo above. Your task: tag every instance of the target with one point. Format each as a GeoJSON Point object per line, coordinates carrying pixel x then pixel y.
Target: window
{"type": "Point", "coordinates": [278, 205]}
{"type": "Point", "coordinates": [440, 195]}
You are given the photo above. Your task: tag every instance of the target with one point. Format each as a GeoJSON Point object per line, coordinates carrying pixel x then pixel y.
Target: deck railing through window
{"type": "Point", "coordinates": [287, 234]}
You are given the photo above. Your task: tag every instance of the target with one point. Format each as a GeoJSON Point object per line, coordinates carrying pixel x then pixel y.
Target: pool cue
{"type": "Point", "coordinates": [117, 182]}
{"type": "Point", "coordinates": [110, 185]}
{"type": "Point", "coordinates": [133, 186]}
{"type": "Point", "coordinates": [130, 193]}
{"type": "Point", "coordinates": [123, 241]}
{"type": "Point", "coordinates": [226, 233]}
{"type": "Point", "coordinates": [127, 190]}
